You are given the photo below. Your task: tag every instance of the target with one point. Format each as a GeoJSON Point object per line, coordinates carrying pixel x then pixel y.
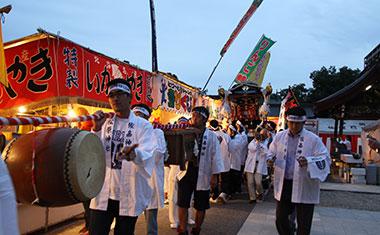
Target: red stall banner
{"type": "Point", "coordinates": [44, 66]}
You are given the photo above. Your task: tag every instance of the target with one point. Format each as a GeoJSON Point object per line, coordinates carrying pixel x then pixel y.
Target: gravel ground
{"type": "Point", "coordinates": [346, 200]}
{"type": "Point", "coordinates": [350, 200]}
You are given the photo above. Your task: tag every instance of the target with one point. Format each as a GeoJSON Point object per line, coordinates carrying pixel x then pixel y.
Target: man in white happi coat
{"type": "Point", "coordinates": [229, 178]}
{"type": "Point", "coordinates": [224, 140]}
{"type": "Point", "coordinates": [157, 179]}
{"type": "Point", "coordinates": [128, 145]}
{"type": "Point", "coordinates": [173, 191]}
{"type": "Point", "coordinates": [237, 148]}
{"type": "Point", "coordinates": [256, 166]}
{"type": "Point", "coordinates": [241, 131]}
{"type": "Point", "coordinates": [8, 207]}
{"type": "Point", "coordinates": [301, 161]}
{"type": "Point", "coordinates": [201, 173]}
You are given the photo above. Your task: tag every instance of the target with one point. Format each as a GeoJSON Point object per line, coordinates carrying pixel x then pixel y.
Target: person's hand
{"type": "Point", "coordinates": [271, 161]}
{"type": "Point", "coordinates": [302, 161]}
{"type": "Point", "coordinates": [373, 143]}
{"type": "Point", "coordinates": [127, 153]}
{"type": "Point", "coordinates": [98, 122]}
{"type": "Point", "coordinates": [213, 181]}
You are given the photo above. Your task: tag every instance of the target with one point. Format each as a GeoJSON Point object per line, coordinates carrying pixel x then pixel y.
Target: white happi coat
{"type": "Point", "coordinates": [244, 145]}
{"type": "Point", "coordinates": [257, 154]}
{"type": "Point", "coordinates": [237, 150]}
{"type": "Point", "coordinates": [157, 179]}
{"type": "Point", "coordinates": [8, 207]}
{"type": "Point", "coordinates": [305, 189]}
{"type": "Point", "coordinates": [224, 152]}
{"type": "Point", "coordinates": [135, 192]}
{"type": "Point", "coordinates": [210, 161]}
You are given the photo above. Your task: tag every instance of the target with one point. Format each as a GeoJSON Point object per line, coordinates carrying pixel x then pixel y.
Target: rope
{"type": "Point", "coordinates": [16, 121]}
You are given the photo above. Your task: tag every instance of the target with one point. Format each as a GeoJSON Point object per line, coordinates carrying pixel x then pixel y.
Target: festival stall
{"type": "Point", "coordinates": [352, 128]}
{"type": "Point", "coordinates": [49, 75]}
{"type": "Point", "coordinates": [370, 156]}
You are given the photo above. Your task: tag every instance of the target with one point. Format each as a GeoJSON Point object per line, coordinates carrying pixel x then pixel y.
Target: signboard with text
{"type": "Point", "coordinates": [173, 96]}
{"type": "Point", "coordinates": [47, 67]}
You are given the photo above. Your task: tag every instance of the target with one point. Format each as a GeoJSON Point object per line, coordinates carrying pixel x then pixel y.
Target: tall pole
{"type": "Point", "coordinates": [3, 66]}
{"type": "Point", "coordinates": [204, 88]}
{"type": "Point", "coordinates": [255, 4]}
{"type": "Point", "coordinates": [154, 41]}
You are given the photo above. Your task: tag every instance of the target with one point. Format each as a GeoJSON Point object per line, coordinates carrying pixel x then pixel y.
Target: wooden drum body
{"type": "Point", "coordinates": [180, 144]}
{"type": "Point", "coordinates": [59, 167]}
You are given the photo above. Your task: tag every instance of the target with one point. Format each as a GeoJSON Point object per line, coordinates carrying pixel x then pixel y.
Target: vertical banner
{"type": "Point", "coordinates": [255, 4]}
{"type": "Point", "coordinates": [3, 67]}
{"type": "Point", "coordinates": [257, 75]}
{"type": "Point", "coordinates": [258, 52]}
{"type": "Point", "coordinates": [288, 102]}
{"type": "Point", "coordinates": [239, 27]}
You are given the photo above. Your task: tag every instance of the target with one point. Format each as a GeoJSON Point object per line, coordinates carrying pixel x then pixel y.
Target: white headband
{"type": "Point", "coordinates": [141, 110]}
{"type": "Point", "coordinates": [232, 127]}
{"type": "Point", "coordinates": [294, 118]}
{"type": "Point", "coordinates": [201, 113]}
{"type": "Point", "coordinates": [119, 86]}
{"type": "Point", "coordinates": [182, 120]}
{"type": "Point", "coordinates": [214, 128]}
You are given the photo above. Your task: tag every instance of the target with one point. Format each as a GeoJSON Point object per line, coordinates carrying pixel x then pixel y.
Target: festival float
{"type": "Point", "coordinates": [246, 100]}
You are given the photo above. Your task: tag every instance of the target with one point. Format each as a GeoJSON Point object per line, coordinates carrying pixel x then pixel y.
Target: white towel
{"type": "Point", "coordinates": [318, 169]}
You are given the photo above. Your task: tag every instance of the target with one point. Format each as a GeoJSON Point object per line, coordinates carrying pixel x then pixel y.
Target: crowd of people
{"type": "Point", "coordinates": [225, 161]}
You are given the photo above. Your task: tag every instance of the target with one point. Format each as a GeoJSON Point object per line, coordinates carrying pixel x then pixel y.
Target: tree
{"type": "Point", "coordinates": [300, 92]}
{"type": "Point", "coordinates": [325, 82]}
{"type": "Point", "coordinates": [328, 81]}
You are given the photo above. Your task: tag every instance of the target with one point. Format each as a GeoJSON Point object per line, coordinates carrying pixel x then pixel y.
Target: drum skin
{"type": "Point", "coordinates": [69, 166]}
{"type": "Point", "coordinates": [180, 144]}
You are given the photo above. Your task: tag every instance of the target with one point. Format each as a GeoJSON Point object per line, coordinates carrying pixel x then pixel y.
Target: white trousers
{"type": "Point", "coordinates": [254, 184]}
{"type": "Point", "coordinates": [166, 179]}
{"type": "Point", "coordinates": [8, 207]}
{"type": "Point", "coordinates": [172, 196]}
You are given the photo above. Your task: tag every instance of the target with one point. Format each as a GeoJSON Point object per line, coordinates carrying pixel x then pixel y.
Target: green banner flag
{"type": "Point", "coordinates": [258, 73]}
{"type": "Point", "coordinates": [254, 58]}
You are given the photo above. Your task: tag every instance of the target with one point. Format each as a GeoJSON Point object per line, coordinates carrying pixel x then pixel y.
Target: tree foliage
{"type": "Point", "coordinates": [328, 81]}
{"type": "Point", "coordinates": [325, 82]}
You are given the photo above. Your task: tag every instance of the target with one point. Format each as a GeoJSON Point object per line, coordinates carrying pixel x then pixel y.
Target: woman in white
{"type": "Point", "coordinates": [256, 167]}
{"type": "Point", "coordinates": [8, 210]}
{"type": "Point", "coordinates": [172, 197]}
